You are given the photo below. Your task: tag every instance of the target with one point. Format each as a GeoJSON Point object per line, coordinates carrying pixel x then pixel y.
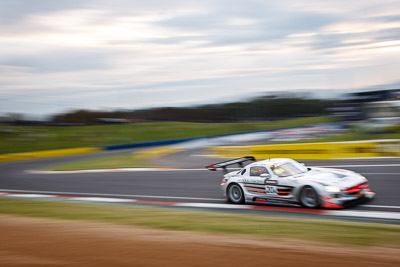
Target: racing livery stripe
{"type": "Point", "coordinates": [257, 192]}
{"type": "Point", "coordinates": [258, 188]}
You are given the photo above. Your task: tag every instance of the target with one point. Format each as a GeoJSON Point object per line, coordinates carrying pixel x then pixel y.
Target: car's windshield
{"type": "Point", "coordinates": [288, 169]}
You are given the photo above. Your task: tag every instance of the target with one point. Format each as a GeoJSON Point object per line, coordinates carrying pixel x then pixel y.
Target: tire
{"type": "Point", "coordinates": [235, 194]}
{"type": "Point", "coordinates": [309, 198]}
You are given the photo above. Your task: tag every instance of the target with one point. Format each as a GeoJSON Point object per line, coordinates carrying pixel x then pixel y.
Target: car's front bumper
{"type": "Point", "coordinates": [346, 200]}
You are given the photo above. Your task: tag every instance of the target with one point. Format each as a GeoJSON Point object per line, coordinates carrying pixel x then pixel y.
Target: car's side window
{"type": "Point", "coordinates": [257, 170]}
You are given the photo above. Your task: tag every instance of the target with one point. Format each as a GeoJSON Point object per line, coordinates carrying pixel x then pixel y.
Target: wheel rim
{"type": "Point", "coordinates": [235, 193]}
{"type": "Point", "coordinates": [309, 197]}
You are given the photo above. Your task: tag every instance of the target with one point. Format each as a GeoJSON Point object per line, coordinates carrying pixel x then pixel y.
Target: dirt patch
{"type": "Point", "coordinates": [45, 242]}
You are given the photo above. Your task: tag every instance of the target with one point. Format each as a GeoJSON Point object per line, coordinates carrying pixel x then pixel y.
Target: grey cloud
{"type": "Point", "coordinates": [14, 10]}
{"type": "Point", "coordinates": [390, 18]}
{"type": "Point", "coordinates": [59, 60]}
{"type": "Point", "coordinates": [327, 41]}
{"type": "Point", "coordinates": [268, 26]}
{"type": "Point", "coordinates": [204, 22]}
{"type": "Point", "coordinates": [390, 34]}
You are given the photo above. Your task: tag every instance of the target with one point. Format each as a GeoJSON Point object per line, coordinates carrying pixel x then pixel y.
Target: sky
{"type": "Point", "coordinates": [57, 56]}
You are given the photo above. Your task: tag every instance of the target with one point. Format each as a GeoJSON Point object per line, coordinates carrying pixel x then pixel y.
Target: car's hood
{"type": "Point", "coordinates": [334, 177]}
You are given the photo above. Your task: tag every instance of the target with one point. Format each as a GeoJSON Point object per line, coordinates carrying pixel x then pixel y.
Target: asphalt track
{"type": "Point", "coordinates": [190, 184]}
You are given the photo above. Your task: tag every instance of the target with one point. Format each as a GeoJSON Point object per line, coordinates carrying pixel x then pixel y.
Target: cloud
{"type": "Point", "coordinates": [59, 60]}
{"type": "Point", "coordinates": [94, 53]}
{"type": "Point", "coordinates": [262, 24]}
{"type": "Point", "coordinates": [12, 11]}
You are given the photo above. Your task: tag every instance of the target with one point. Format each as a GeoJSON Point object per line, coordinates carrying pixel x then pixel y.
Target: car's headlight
{"type": "Point", "coordinates": [332, 189]}
{"type": "Point", "coordinates": [363, 178]}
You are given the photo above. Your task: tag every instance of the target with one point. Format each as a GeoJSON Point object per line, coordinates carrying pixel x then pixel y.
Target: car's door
{"type": "Point", "coordinates": [260, 182]}
{"type": "Point", "coordinates": [284, 184]}
{"type": "Point", "coordinates": [255, 184]}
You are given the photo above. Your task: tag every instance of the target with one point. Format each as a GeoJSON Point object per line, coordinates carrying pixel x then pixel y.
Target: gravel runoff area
{"type": "Point", "coordinates": [47, 242]}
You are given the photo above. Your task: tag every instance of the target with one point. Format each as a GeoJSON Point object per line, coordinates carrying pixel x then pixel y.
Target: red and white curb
{"type": "Point", "coordinates": [340, 213]}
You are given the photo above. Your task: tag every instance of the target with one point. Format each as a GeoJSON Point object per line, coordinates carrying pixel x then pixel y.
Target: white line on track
{"type": "Point", "coordinates": [111, 170]}
{"type": "Point", "coordinates": [182, 170]}
{"type": "Point", "coordinates": [380, 173]}
{"type": "Point", "coordinates": [32, 193]}
{"type": "Point", "coordinates": [380, 206]}
{"type": "Point", "coordinates": [340, 213]}
{"type": "Point", "coordinates": [363, 165]}
{"type": "Point", "coordinates": [107, 195]}
{"type": "Point", "coordinates": [365, 214]}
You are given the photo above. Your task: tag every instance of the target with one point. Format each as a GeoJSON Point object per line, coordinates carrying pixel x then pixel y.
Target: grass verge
{"type": "Point", "coordinates": [113, 162]}
{"type": "Point", "coordinates": [256, 225]}
{"type": "Point", "coordinates": [14, 139]}
{"type": "Point", "coordinates": [139, 159]}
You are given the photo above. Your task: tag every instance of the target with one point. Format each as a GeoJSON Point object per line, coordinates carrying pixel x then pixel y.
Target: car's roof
{"type": "Point", "coordinates": [269, 162]}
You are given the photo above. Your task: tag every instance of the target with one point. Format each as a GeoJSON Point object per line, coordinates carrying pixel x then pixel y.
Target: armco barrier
{"type": "Point", "coordinates": [148, 144]}
{"type": "Point", "coordinates": [176, 141]}
{"type": "Point", "coordinates": [84, 150]}
{"type": "Point", "coordinates": [48, 153]}
{"type": "Point", "coordinates": [331, 150]}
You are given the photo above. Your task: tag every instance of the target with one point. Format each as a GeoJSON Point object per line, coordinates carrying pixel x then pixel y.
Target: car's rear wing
{"type": "Point", "coordinates": [223, 165]}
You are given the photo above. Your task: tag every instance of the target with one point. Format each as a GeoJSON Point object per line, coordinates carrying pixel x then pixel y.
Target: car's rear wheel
{"type": "Point", "coordinates": [309, 197]}
{"type": "Point", "coordinates": [235, 194]}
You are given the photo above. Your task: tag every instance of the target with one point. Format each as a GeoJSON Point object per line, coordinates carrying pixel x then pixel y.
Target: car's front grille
{"type": "Point", "coordinates": [357, 189]}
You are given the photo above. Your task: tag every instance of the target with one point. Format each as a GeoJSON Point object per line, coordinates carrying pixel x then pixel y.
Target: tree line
{"type": "Point", "coordinates": [258, 109]}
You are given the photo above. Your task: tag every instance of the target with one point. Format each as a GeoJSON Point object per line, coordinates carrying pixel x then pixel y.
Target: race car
{"type": "Point", "coordinates": [286, 181]}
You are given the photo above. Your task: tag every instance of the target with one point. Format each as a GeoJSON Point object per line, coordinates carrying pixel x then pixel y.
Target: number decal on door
{"type": "Point", "coordinates": [270, 189]}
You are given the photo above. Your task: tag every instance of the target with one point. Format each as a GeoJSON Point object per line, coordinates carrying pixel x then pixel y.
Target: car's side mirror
{"type": "Point", "coordinates": [265, 175]}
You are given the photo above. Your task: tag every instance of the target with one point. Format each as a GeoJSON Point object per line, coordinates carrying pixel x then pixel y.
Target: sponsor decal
{"type": "Point", "coordinates": [271, 182]}
{"type": "Point", "coordinates": [250, 181]}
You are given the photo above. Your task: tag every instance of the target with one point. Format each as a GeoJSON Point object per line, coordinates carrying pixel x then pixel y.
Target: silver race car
{"type": "Point", "coordinates": [285, 181]}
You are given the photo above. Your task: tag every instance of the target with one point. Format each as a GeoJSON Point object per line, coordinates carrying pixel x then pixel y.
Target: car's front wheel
{"type": "Point", "coordinates": [309, 197]}
{"type": "Point", "coordinates": [235, 194]}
